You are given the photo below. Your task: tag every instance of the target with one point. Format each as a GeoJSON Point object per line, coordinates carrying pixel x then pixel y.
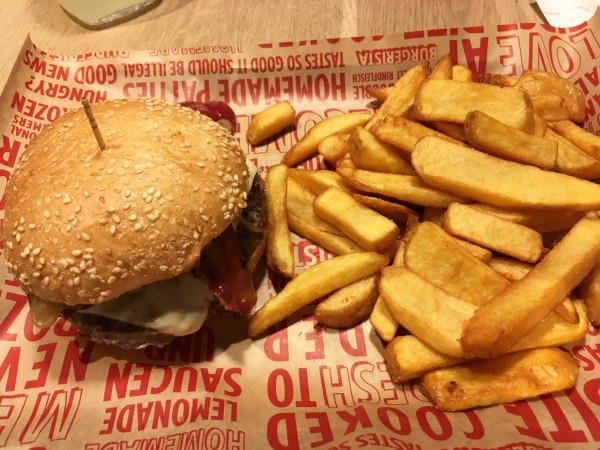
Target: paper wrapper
{"type": "Point", "coordinates": [302, 386]}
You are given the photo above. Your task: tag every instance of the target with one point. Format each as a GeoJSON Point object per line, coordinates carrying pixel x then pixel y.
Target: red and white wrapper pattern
{"type": "Point", "coordinates": [302, 386]}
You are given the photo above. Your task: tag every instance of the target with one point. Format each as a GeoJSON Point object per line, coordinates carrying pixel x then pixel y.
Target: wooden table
{"type": "Point", "coordinates": [183, 23]}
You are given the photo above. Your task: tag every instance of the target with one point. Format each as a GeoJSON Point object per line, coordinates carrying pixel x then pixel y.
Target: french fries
{"type": "Point", "coordinates": [308, 145]}
{"type": "Point", "coordinates": [466, 172]}
{"type": "Point", "coordinates": [552, 96]}
{"type": "Point", "coordinates": [526, 173]}
{"type": "Point", "coordinates": [502, 380]}
{"type": "Point", "coordinates": [312, 284]}
{"type": "Point", "coordinates": [419, 306]}
{"type": "Point", "coordinates": [451, 101]}
{"type": "Point", "coordinates": [492, 232]}
{"type": "Point", "coordinates": [350, 305]}
{"type": "Point", "coordinates": [492, 136]}
{"type": "Point", "coordinates": [280, 255]}
{"type": "Point", "coordinates": [401, 96]}
{"type": "Point", "coordinates": [408, 188]}
{"type": "Point", "coordinates": [501, 322]}
{"type": "Point", "coordinates": [369, 153]}
{"type": "Point", "coordinates": [270, 121]}
{"type": "Point", "coordinates": [369, 229]}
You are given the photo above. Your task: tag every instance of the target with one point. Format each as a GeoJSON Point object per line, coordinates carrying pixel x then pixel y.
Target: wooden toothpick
{"type": "Point", "coordinates": [93, 124]}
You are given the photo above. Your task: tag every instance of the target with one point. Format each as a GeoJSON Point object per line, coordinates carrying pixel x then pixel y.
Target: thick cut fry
{"type": "Point", "coordinates": [403, 133]}
{"type": "Point", "coordinates": [506, 379]}
{"type": "Point", "coordinates": [384, 324]}
{"type": "Point", "coordinates": [442, 69]}
{"type": "Point", "coordinates": [318, 181]}
{"type": "Point", "coordinates": [380, 94]}
{"type": "Point", "coordinates": [407, 357]}
{"type": "Point", "coordinates": [540, 220]}
{"type": "Point", "coordinates": [582, 139]}
{"type": "Point", "coordinates": [369, 153]}
{"type": "Point", "coordinates": [312, 284]}
{"type": "Point", "coordinates": [453, 130]}
{"type": "Point", "coordinates": [590, 291]}
{"type": "Point", "coordinates": [497, 79]}
{"type": "Point", "coordinates": [401, 96]}
{"type": "Point", "coordinates": [509, 268]}
{"type": "Point", "coordinates": [492, 136]}
{"type": "Point", "coordinates": [572, 161]}
{"type": "Point", "coordinates": [541, 85]}
{"type": "Point", "coordinates": [407, 188]}
{"type": "Point", "coordinates": [421, 307]}
{"type": "Point", "coordinates": [451, 101]}
{"type": "Point", "coordinates": [436, 257]}
{"type": "Point", "coordinates": [308, 145]}
{"type": "Point", "coordinates": [350, 305]}
{"type": "Point", "coordinates": [482, 254]}
{"type": "Point", "coordinates": [467, 172]}
{"type": "Point", "coordinates": [504, 320]}
{"type": "Point", "coordinates": [270, 121]}
{"type": "Point", "coordinates": [461, 73]}
{"type": "Point", "coordinates": [345, 167]}
{"type": "Point", "coordinates": [280, 253]}
{"type": "Point", "coordinates": [540, 125]}
{"type": "Point", "coordinates": [493, 232]}
{"type": "Point", "coordinates": [368, 228]}
{"type": "Point", "coordinates": [303, 221]}
{"type": "Point", "coordinates": [333, 148]}
{"type": "Point", "coordinates": [393, 211]}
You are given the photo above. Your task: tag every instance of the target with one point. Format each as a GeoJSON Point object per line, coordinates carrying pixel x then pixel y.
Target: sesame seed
{"type": "Point", "coordinates": [18, 237]}
{"type": "Point", "coordinates": [111, 209]}
{"type": "Point", "coordinates": [138, 226]}
{"type": "Point", "coordinates": [67, 199]}
{"type": "Point", "coordinates": [76, 281]}
{"type": "Point", "coordinates": [111, 280]}
{"type": "Point", "coordinates": [46, 281]}
{"type": "Point", "coordinates": [132, 217]}
{"type": "Point", "coordinates": [112, 230]}
{"type": "Point", "coordinates": [103, 221]}
{"type": "Point", "coordinates": [116, 219]}
{"type": "Point", "coordinates": [196, 235]}
{"type": "Point", "coordinates": [9, 244]}
{"type": "Point", "coordinates": [204, 218]}
{"type": "Point", "coordinates": [31, 226]}
{"type": "Point", "coordinates": [85, 236]}
{"type": "Point", "coordinates": [36, 251]}
{"type": "Point", "coordinates": [36, 274]}
{"type": "Point", "coordinates": [163, 268]}
{"type": "Point", "coordinates": [47, 214]}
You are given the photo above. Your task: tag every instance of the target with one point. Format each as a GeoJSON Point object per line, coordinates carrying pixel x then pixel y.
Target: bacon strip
{"type": "Point", "coordinates": [220, 266]}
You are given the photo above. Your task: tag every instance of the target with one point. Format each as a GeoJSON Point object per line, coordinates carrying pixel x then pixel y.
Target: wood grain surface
{"type": "Point", "coordinates": [185, 23]}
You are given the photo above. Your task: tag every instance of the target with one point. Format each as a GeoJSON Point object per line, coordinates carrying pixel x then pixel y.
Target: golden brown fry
{"type": "Point", "coordinates": [420, 307]}
{"type": "Point", "coordinates": [333, 148]}
{"type": "Point", "coordinates": [280, 254]}
{"type": "Point", "coordinates": [504, 320]}
{"type": "Point", "coordinates": [349, 305]}
{"type": "Point", "coordinates": [482, 254]}
{"type": "Point", "coordinates": [345, 167]}
{"type": "Point", "coordinates": [270, 121]}
{"type": "Point", "coordinates": [492, 136]}
{"type": "Point", "coordinates": [407, 188]}
{"type": "Point", "coordinates": [442, 69]}
{"type": "Point", "coordinates": [505, 379]}
{"type": "Point", "coordinates": [572, 161]}
{"type": "Point", "coordinates": [543, 86]}
{"type": "Point", "coordinates": [318, 181]}
{"type": "Point", "coordinates": [369, 153]}
{"type": "Point", "coordinates": [590, 292]}
{"type": "Point", "coordinates": [312, 284]}
{"type": "Point", "coordinates": [497, 79]}
{"type": "Point", "coordinates": [380, 94]}
{"type": "Point", "coordinates": [403, 133]}
{"type": "Point", "coordinates": [393, 211]}
{"type": "Point", "coordinates": [368, 228]}
{"type": "Point", "coordinates": [308, 145]}
{"type": "Point", "coordinates": [451, 101]}
{"type": "Point", "coordinates": [509, 268]}
{"type": "Point", "coordinates": [461, 73]}
{"type": "Point", "coordinates": [540, 125]}
{"type": "Point", "coordinates": [582, 139]}
{"type": "Point", "coordinates": [436, 257]}
{"type": "Point", "coordinates": [407, 357]}
{"type": "Point", "coordinates": [382, 321]}
{"type": "Point", "coordinates": [543, 221]}
{"type": "Point", "coordinates": [453, 130]}
{"type": "Point", "coordinates": [303, 221]}
{"type": "Point", "coordinates": [401, 95]}
{"type": "Point", "coordinates": [493, 232]}
{"type": "Point", "coordinates": [467, 172]}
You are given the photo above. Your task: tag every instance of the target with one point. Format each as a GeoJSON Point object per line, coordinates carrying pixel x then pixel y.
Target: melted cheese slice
{"type": "Point", "coordinates": [177, 306]}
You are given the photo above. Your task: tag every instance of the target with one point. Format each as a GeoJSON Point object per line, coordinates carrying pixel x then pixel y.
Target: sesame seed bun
{"type": "Point", "coordinates": [83, 226]}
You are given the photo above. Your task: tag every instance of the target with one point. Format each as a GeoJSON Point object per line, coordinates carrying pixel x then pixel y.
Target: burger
{"type": "Point", "coordinates": [136, 242]}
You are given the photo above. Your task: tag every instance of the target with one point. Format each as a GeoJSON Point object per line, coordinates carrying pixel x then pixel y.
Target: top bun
{"type": "Point", "coordinates": [85, 226]}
